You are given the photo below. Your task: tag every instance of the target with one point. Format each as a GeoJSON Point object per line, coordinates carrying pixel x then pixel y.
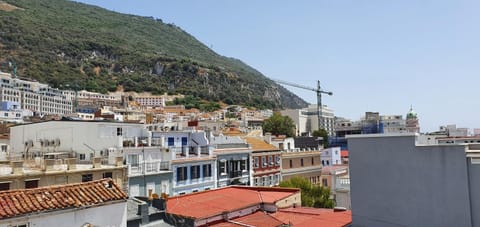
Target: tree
{"type": "Point", "coordinates": [322, 133]}
{"type": "Point", "coordinates": [312, 195]}
{"type": "Point", "coordinates": [279, 125]}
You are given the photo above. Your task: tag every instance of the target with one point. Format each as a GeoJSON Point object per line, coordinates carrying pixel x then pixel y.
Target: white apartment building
{"type": "Point", "coordinates": [306, 119]}
{"type": "Point", "coordinates": [331, 156]}
{"type": "Point", "coordinates": [150, 100]}
{"type": "Point", "coordinates": [84, 97]}
{"type": "Point", "coordinates": [34, 96]}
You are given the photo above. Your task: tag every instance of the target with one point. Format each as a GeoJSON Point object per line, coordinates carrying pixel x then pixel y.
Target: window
{"type": "Point", "coordinates": [184, 141]}
{"type": "Point", "coordinates": [5, 114]}
{"type": "Point", "coordinates": [264, 161]}
{"type": "Point", "coordinates": [87, 177]}
{"type": "Point", "coordinates": [277, 158]}
{"type": "Point", "coordinates": [181, 173]}
{"type": "Point", "coordinates": [4, 186]}
{"type": "Point", "coordinates": [133, 160]}
{"type": "Point", "coordinates": [119, 131]}
{"type": "Point", "coordinates": [328, 163]}
{"type": "Point", "coordinates": [223, 167]}
{"type": "Point", "coordinates": [171, 141]}
{"type": "Point", "coordinates": [107, 175]}
{"type": "Point", "coordinates": [243, 165]}
{"type": "Point", "coordinates": [270, 160]}
{"type": "Point", "coordinates": [323, 162]}
{"type": "Point", "coordinates": [291, 163]}
{"type": "Point", "coordinates": [301, 162]}
{"type": "Point", "coordinates": [81, 156]}
{"type": "Point", "coordinates": [207, 170]}
{"type": "Point", "coordinates": [255, 162]}
{"type": "Point", "coordinates": [195, 172]}
{"type": "Point", "coordinates": [20, 225]}
{"type": "Point", "coordinates": [313, 161]}
{"type": "Point", "coordinates": [324, 182]}
{"type": "Point", "coordinates": [31, 184]}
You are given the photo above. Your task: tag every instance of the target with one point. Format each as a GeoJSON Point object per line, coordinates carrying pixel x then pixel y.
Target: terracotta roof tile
{"type": "Point", "coordinates": [260, 145]}
{"type": "Point", "coordinates": [257, 219]}
{"type": "Point", "coordinates": [25, 201]}
{"type": "Point", "coordinates": [302, 216]}
{"type": "Point", "coordinates": [213, 202]}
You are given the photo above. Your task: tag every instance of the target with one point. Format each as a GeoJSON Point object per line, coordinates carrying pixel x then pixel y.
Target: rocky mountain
{"type": "Point", "coordinates": [65, 43]}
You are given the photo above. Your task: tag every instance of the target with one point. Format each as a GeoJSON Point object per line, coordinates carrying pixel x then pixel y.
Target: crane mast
{"type": "Point", "coordinates": [319, 92]}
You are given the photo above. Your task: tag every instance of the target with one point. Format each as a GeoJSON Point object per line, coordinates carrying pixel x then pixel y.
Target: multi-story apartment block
{"type": "Point", "coordinates": [56, 168]}
{"type": "Point", "coordinates": [88, 98]}
{"type": "Point", "coordinates": [193, 162]}
{"type": "Point", "coordinates": [32, 95]}
{"type": "Point", "coordinates": [306, 119]}
{"type": "Point", "coordinates": [149, 168]}
{"type": "Point", "coordinates": [150, 100]}
{"type": "Point", "coordinates": [233, 160]}
{"type": "Point", "coordinates": [302, 163]}
{"type": "Point", "coordinates": [338, 180]}
{"type": "Point", "coordinates": [266, 163]}
{"type": "Point", "coordinates": [147, 160]}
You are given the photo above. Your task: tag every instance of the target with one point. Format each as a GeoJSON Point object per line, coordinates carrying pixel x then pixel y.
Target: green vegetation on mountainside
{"type": "Point", "coordinates": [67, 43]}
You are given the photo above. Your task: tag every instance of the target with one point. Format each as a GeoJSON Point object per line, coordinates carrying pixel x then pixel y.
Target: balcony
{"type": "Point", "coordinates": [148, 167]}
{"type": "Point", "coordinates": [236, 173]}
{"type": "Point", "coordinates": [342, 184]}
{"type": "Point", "coordinates": [190, 151]}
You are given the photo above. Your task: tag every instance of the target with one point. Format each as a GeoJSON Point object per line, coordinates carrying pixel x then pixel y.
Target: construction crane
{"type": "Point", "coordinates": [319, 92]}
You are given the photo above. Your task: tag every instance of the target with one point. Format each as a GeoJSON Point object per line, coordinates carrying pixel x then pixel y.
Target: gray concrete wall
{"type": "Point", "coordinates": [395, 183]}
{"type": "Point", "coordinates": [474, 176]}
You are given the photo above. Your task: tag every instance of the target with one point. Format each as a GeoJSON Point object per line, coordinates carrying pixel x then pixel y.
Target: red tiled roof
{"type": "Point", "coordinates": [213, 202]}
{"type": "Point", "coordinates": [273, 196]}
{"type": "Point", "coordinates": [257, 219]}
{"type": "Point", "coordinates": [26, 201]}
{"type": "Point", "coordinates": [302, 216]}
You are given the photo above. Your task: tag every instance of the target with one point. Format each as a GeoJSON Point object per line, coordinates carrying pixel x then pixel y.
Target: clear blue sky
{"type": "Point", "coordinates": [374, 55]}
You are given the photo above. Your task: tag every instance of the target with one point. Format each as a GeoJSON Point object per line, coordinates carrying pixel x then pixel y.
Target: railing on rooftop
{"type": "Point", "coordinates": [148, 167]}
{"type": "Point", "coordinates": [191, 151]}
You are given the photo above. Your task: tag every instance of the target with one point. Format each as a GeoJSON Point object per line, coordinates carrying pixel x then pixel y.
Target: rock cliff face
{"type": "Point", "coordinates": [61, 42]}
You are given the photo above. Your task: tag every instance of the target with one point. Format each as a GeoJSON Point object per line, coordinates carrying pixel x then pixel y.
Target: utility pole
{"type": "Point", "coordinates": [319, 92]}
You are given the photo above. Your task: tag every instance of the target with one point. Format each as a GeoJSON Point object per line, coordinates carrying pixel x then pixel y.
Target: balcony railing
{"type": "Point", "coordinates": [191, 151]}
{"type": "Point", "coordinates": [342, 183]}
{"type": "Point", "coordinates": [236, 173]}
{"type": "Point", "coordinates": [148, 167]}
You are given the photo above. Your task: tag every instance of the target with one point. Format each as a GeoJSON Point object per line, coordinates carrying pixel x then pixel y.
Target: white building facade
{"type": "Point", "coordinates": [34, 96]}
{"type": "Point", "coordinates": [331, 156]}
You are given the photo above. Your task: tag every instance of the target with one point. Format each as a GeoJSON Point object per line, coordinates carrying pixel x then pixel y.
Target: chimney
{"type": "Point", "coordinates": [49, 163]}
{"type": "Point", "coordinates": [119, 161]}
{"type": "Point", "coordinates": [17, 167]}
{"type": "Point", "coordinates": [97, 162]}
{"type": "Point", "coordinates": [71, 163]}
{"type": "Point", "coordinates": [143, 212]}
{"type": "Point", "coordinates": [268, 138]}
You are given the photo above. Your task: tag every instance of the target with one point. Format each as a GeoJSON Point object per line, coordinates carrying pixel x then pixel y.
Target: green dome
{"type": "Point", "coordinates": [411, 114]}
